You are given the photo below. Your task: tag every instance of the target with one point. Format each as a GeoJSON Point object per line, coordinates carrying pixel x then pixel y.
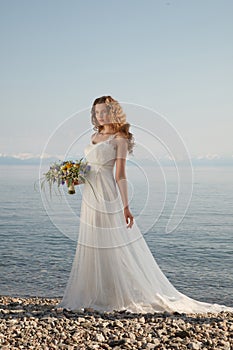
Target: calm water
{"type": "Point", "coordinates": [36, 257]}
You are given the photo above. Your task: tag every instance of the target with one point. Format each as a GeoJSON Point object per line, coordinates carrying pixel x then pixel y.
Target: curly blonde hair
{"type": "Point", "coordinates": [117, 118]}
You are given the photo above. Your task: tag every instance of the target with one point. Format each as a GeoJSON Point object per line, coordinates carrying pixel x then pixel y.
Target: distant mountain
{"type": "Point", "coordinates": [218, 161]}
{"type": "Point", "coordinates": [7, 160]}
{"type": "Point", "coordinates": [203, 160]}
{"type": "Point", "coordinates": [13, 160]}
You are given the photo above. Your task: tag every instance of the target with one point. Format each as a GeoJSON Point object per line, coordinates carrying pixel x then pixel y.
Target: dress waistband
{"type": "Point", "coordinates": [104, 165]}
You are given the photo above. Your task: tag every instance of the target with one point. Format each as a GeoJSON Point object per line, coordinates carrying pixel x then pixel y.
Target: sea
{"type": "Point", "coordinates": [38, 233]}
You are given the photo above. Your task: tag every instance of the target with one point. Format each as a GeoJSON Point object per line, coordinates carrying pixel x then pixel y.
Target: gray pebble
{"type": "Point", "coordinates": [35, 323]}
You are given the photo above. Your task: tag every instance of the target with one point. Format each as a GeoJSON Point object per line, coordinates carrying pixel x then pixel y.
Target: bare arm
{"type": "Point", "coordinates": [120, 177]}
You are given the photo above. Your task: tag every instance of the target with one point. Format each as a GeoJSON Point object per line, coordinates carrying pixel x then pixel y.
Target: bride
{"type": "Point", "coordinates": [113, 268]}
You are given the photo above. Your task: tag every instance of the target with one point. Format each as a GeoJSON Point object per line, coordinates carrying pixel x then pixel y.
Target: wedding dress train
{"type": "Point", "coordinates": [113, 268]}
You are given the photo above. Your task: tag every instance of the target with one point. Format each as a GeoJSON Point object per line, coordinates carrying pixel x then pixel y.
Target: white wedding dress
{"type": "Point", "coordinates": [113, 268]}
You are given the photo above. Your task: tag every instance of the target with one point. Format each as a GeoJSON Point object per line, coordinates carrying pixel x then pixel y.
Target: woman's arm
{"type": "Point", "coordinates": [120, 177]}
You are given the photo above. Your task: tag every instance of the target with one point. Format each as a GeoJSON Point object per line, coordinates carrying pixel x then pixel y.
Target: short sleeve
{"type": "Point", "coordinates": [121, 147]}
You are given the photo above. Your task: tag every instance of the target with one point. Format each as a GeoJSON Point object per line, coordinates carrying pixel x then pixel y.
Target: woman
{"type": "Point", "coordinates": [113, 268]}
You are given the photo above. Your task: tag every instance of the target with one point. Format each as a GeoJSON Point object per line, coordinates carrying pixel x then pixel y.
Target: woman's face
{"type": "Point", "coordinates": [101, 114]}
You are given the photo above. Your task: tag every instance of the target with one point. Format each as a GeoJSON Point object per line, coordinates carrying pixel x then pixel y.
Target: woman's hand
{"type": "Point", "coordinates": [74, 182]}
{"type": "Point", "coordinates": [128, 217]}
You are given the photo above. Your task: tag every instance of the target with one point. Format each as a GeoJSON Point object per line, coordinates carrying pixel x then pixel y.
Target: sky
{"type": "Point", "coordinates": [174, 57]}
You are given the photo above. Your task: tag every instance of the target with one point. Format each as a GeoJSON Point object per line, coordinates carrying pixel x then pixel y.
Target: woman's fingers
{"type": "Point", "coordinates": [130, 217]}
{"type": "Point", "coordinates": [74, 182]}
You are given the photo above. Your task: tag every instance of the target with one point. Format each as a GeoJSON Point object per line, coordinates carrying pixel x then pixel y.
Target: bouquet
{"type": "Point", "coordinates": [67, 172]}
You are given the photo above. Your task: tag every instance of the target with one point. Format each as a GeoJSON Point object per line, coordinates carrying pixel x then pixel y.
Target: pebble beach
{"type": "Point", "coordinates": [36, 323]}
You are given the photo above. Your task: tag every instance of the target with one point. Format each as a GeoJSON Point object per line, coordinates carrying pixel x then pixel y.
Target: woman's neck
{"type": "Point", "coordinates": [107, 129]}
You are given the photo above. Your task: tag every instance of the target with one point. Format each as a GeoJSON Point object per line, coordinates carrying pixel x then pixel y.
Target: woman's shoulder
{"type": "Point", "coordinates": [121, 140]}
{"type": "Point", "coordinates": [93, 135]}
{"type": "Point", "coordinates": [119, 135]}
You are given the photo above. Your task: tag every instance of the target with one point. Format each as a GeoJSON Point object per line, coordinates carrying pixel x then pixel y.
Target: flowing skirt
{"type": "Point", "coordinates": [113, 268]}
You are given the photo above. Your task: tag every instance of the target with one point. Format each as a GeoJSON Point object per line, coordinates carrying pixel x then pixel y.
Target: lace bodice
{"type": "Point", "coordinates": [102, 153]}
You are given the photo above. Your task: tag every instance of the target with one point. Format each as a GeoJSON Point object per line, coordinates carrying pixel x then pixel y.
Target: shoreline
{"type": "Point", "coordinates": [34, 323]}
